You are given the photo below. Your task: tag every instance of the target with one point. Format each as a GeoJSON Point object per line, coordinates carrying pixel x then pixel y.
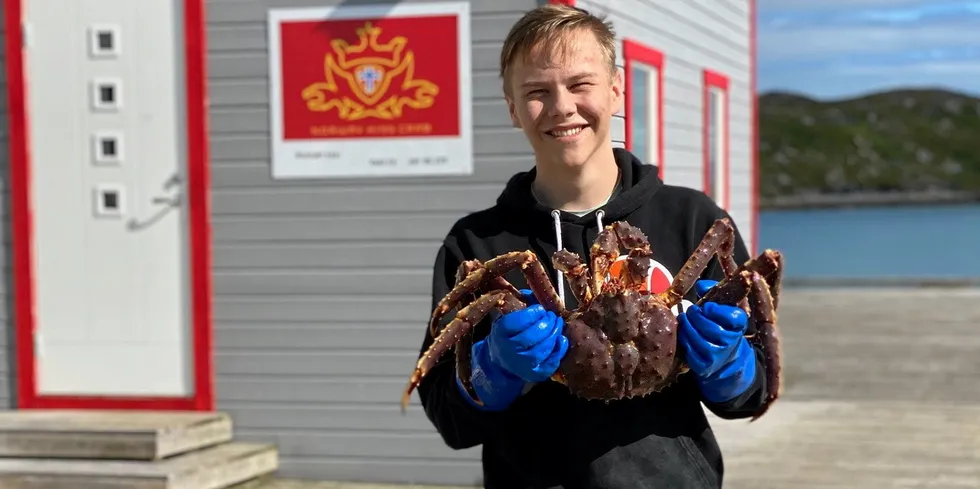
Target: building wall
{"type": "Point", "coordinates": [694, 35]}
{"type": "Point", "coordinates": [321, 287]}
{"type": "Point", "coordinates": [316, 331]}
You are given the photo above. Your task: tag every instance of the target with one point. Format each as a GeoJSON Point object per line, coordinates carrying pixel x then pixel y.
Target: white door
{"type": "Point", "coordinates": [105, 115]}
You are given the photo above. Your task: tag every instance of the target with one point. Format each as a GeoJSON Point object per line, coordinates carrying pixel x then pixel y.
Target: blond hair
{"type": "Point", "coordinates": [551, 24]}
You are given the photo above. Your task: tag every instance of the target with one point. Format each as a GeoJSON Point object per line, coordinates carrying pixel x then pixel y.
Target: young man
{"type": "Point", "coordinates": [562, 87]}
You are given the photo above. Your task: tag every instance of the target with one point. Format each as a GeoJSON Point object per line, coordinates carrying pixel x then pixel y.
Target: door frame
{"type": "Point", "coordinates": [199, 235]}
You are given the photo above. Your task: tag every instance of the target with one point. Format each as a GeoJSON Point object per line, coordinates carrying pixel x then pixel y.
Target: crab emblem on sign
{"type": "Point", "coordinates": [370, 79]}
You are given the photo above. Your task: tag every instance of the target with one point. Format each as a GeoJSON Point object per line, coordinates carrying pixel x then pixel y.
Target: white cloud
{"type": "Point", "coordinates": [924, 69]}
{"type": "Point", "coordinates": [818, 42]}
{"type": "Point", "coordinates": [819, 5]}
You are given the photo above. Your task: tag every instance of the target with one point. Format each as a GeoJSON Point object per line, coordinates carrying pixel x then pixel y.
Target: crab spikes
{"type": "Point", "coordinates": [767, 337]}
{"type": "Point", "coordinates": [756, 283]}
{"type": "Point", "coordinates": [478, 275]}
{"type": "Point", "coordinates": [462, 325]}
{"type": "Point", "coordinates": [717, 241]}
{"type": "Point", "coordinates": [734, 288]}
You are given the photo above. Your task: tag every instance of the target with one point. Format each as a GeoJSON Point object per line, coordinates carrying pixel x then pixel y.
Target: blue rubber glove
{"type": "Point", "coordinates": [496, 388]}
{"type": "Point", "coordinates": [523, 346]}
{"type": "Point", "coordinates": [717, 352]}
{"type": "Point", "coordinates": [528, 343]}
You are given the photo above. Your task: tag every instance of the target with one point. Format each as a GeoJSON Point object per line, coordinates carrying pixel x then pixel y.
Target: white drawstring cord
{"type": "Point", "coordinates": [556, 216]}
{"type": "Point", "coordinates": [598, 220]}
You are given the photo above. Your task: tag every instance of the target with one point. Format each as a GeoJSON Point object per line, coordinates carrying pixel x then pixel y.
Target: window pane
{"type": "Point", "coordinates": [639, 112]}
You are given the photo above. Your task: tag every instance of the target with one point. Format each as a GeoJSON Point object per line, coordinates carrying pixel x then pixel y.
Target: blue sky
{"type": "Point", "coordinates": [838, 48]}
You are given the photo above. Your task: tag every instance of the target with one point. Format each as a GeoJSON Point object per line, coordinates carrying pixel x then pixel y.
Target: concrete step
{"type": "Point", "coordinates": [217, 467]}
{"type": "Point", "coordinates": [280, 483]}
{"type": "Point", "coordinates": [118, 435]}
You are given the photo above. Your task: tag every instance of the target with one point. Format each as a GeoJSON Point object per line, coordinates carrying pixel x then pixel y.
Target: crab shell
{"type": "Point", "coordinates": [622, 345]}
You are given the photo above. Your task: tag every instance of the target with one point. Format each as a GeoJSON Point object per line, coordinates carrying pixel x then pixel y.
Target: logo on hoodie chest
{"type": "Point", "coordinates": [658, 281]}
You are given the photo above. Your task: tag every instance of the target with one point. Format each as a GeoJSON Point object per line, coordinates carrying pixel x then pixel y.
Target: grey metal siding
{"type": "Point", "coordinates": [322, 287]}
{"type": "Point", "coordinates": [694, 35]}
{"type": "Point", "coordinates": [6, 286]}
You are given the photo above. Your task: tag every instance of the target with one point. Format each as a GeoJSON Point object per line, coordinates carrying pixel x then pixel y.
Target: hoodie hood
{"type": "Point", "coordinates": [638, 182]}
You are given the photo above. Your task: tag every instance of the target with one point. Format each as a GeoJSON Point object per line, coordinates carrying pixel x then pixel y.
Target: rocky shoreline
{"type": "Point", "coordinates": [868, 199]}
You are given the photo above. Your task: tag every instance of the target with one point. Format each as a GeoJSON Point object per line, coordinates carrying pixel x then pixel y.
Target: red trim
{"type": "Point", "coordinates": [717, 80]}
{"type": "Point", "coordinates": [21, 223]}
{"type": "Point", "coordinates": [754, 142]}
{"type": "Point", "coordinates": [635, 52]}
{"type": "Point", "coordinates": [570, 3]}
{"type": "Point", "coordinates": [20, 212]}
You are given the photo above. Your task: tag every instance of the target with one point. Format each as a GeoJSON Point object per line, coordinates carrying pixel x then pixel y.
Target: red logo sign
{"type": "Point", "coordinates": [384, 77]}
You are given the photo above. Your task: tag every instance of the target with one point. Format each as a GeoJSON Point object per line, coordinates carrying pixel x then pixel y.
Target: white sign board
{"type": "Point", "coordinates": [371, 90]}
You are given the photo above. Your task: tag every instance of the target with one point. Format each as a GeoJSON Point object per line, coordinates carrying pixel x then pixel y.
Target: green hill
{"type": "Point", "coordinates": [905, 142]}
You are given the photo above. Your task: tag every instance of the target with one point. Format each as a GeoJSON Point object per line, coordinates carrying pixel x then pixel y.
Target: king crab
{"type": "Point", "coordinates": [622, 338]}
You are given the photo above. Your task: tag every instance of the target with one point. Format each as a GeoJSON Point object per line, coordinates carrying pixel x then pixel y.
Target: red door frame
{"type": "Point", "coordinates": [199, 214]}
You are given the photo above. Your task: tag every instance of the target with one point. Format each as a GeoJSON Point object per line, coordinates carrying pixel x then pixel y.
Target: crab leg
{"type": "Point", "coordinates": [536, 276]}
{"type": "Point", "coordinates": [763, 307]}
{"type": "Point", "coordinates": [464, 352]}
{"type": "Point", "coordinates": [465, 344]}
{"type": "Point", "coordinates": [461, 325]}
{"type": "Point", "coordinates": [715, 241]}
{"type": "Point", "coordinates": [478, 275]}
{"type": "Point", "coordinates": [576, 272]}
{"type": "Point", "coordinates": [733, 289]}
{"type": "Point", "coordinates": [754, 280]}
{"type": "Point", "coordinates": [774, 278]}
{"type": "Point", "coordinates": [604, 252]}
{"type": "Point", "coordinates": [638, 262]}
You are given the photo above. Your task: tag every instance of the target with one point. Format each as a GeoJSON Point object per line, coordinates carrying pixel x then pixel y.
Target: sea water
{"type": "Point", "coordinates": [936, 242]}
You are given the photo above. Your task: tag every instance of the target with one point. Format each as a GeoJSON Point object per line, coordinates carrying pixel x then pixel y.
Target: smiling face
{"type": "Point", "coordinates": [563, 97]}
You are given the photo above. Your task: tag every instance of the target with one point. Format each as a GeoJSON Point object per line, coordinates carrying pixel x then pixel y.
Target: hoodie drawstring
{"type": "Point", "coordinates": [556, 217]}
{"type": "Point", "coordinates": [560, 279]}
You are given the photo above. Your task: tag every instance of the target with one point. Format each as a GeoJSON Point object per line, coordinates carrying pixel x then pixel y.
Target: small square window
{"type": "Point", "coordinates": [106, 94]}
{"type": "Point", "coordinates": [104, 41]}
{"type": "Point", "coordinates": [110, 200]}
{"type": "Point", "coordinates": [107, 148]}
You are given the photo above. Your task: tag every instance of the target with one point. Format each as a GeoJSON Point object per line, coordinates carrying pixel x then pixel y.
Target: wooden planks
{"type": "Point", "coordinates": [124, 435]}
{"type": "Point", "coordinates": [880, 444]}
{"type": "Point", "coordinates": [217, 467]}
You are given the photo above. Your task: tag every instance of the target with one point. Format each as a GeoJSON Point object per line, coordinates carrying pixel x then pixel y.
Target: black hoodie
{"type": "Point", "coordinates": [549, 438]}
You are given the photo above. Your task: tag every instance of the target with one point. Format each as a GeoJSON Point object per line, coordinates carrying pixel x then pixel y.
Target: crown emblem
{"type": "Point", "coordinates": [369, 79]}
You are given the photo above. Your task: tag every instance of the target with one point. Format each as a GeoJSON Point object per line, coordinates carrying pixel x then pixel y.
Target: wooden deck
{"type": "Point", "coordinates": [71, 449]}
{"type": "Point", "coordinates": [882, 391]}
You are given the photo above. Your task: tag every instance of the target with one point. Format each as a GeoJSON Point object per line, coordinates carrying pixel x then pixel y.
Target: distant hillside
{"type": "Point", "coordinates": [915, 142]}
